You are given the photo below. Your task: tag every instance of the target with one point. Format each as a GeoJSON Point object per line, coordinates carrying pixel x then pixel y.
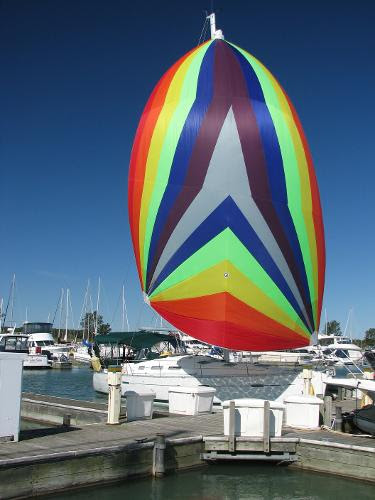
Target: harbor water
{"type": "Point", "coordinates": [75, 383]}
{"type": "Point", "coordinates": [232, 482]}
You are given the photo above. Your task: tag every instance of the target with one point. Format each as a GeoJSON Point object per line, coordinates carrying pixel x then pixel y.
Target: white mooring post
{"type": "Point", "coordinates": [266, 427]}
{"type": "Point", "coordinates": [232, 426]}
{"type": "Point", "coordinates": [307, 386]}
{"type": "Point", "coordinates": [114, 395]}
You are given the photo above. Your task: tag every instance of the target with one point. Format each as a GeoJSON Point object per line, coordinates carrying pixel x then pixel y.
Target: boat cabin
{"type": "Point", "coordinates": [14, 343]}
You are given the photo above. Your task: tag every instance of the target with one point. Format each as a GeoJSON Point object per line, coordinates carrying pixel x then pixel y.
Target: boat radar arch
{"type": "Point", "coordinates": [215, 34]}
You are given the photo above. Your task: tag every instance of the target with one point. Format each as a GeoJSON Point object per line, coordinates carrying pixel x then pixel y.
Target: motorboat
{"type": "Point", "coordinates": [341, 350]}
{"type": "Point", "coordinates": [40, 335]}
{"type": "Point", "coordinates": [81, 354]}
{"type": "Point", "coordinates": [231, 380]}
{"type": "Point", "coordinates": [363, 418]}
{"type": "Point", "coordinates": [18, 343]}
{"type": "Point", "coordinates": [194, 346]}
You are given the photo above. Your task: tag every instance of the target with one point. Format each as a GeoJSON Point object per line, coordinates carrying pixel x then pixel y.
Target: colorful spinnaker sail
{"type": "Point", "coordinates": [224, 205]}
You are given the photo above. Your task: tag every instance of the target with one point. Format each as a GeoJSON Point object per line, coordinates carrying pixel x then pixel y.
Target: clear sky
{"type": "Point", "coordinates": [75, 76]}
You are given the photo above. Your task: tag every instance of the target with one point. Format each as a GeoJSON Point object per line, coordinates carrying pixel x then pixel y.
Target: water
{"type": "Point", "coordinates": [75, 383]}
{"type": "Point", "coordinates": [232, 482]}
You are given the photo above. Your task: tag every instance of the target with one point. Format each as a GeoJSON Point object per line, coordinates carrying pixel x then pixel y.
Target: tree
{"type": "Point", "coordinates": [370, 337]}
{"type": "Point", "coordinates": [333, 328]}
{"type": "Point", "coordinates": [93, 322]}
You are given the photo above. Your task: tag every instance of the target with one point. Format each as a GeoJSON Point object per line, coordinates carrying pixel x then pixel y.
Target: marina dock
{"type": "Point", "coordinates": [58, 458]}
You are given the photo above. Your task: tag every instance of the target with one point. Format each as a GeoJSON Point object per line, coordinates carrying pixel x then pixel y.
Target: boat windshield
{"type": "Point", "coordinates": [43, 343]}
{"type": "Point", "coordinates": [13, 344]}
{"type": "Point", "coordinates": [30, 328]}
{"type": "Point", "coordinates": [342, 353]}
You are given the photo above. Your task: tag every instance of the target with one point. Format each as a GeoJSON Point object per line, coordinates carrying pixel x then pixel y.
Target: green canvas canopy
{"type": "Point", "coordinates": [137, 340]}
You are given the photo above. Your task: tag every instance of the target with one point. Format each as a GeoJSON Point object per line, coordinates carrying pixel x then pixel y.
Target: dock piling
{"type": "Point", "coordinates": [114, 395]}
{"type": "Point", "coordinates": [66, 420]}
{"type": "Point", "coordinates": [232, 425]}
{"type": "Point", "coordinates": [266, 427]}
{"type": "Point", "coordinates": [338, 419]}
{"type": "Point", "coordinates": [158, 463]}
{"type": "Point", "coordinates": [327, 412]}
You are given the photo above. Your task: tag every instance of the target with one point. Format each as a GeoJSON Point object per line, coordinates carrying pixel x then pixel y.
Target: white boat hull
{"type": "Point", "coordinates": [231, 381]}
{"type": "Point", "coordinates": [36, 361]}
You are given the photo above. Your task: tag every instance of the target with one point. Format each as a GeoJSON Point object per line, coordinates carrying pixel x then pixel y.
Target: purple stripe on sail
{"type": "Point", "coordinates": [256, 166]}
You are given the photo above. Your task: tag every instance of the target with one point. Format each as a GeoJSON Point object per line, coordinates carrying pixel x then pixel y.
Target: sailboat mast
{"type": "Point", "coordinates": [1, 312]}
{"type": "Point", "coordinates": [61, 308]}
{"type": "Point", "coordinates": [123, 308]}
{"type": "Point", "coordinates": [12, 299]}
{"type": "Point", "coordinates": [66, 315]}
{"type": "Point", "coordinates": [124, 311]}
{"type": "Point", "coordinates": [97, 307]}
{"type": "Point", "coordinates": [215, 34]}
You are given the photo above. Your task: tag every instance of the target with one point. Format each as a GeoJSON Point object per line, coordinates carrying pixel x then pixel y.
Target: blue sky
{"type": "Point", "coordinates": [75, 77]}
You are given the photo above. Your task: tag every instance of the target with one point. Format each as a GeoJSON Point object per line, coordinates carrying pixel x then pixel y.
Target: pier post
{"type": "Point", "coordinates": [66, 420]}
{"type": "Point", "coordinates": [266, 427]}
{"type": "Point", "coordinates": [307, 376]}
{"type": "Point", "coordinates": [338, 419]}
{"type": "Point", "coordinates": [232, 425]}
{"type": "Point", "coordinates": [340, 396]}
{"type": "Point", "coordinates": [366, 400]}
{"type": "Point", "coordinates": [327, 413]}
{"type": "Point", "coordinates": [114, 395]}
{"type": "Point", "coordinates": [158, 465]}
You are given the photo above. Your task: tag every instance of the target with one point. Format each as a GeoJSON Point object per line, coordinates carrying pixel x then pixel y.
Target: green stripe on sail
{"type": "Point", "coordinates": [175, 126]}
{"type": "Point", "coordinates": [290, 163]}
{"type": "Point", "coordinates": [214, 252]}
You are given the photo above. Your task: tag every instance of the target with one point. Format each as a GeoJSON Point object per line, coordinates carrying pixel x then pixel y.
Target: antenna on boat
{"type": "Point", "coordinates": [215, 34]}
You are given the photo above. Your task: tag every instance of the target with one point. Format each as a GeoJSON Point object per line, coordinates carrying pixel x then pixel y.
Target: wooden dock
{"type": "Point", "coordinates": [58, 458]}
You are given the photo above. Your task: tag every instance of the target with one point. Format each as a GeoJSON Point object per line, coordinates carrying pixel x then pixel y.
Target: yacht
{"type": "Point", "coordinates": [18, 343]}
{"type": "Point", "coordinates": [231, 380]}
{"type": "Point", "coordinates": [40, 335]}
{"type": "Point", "coordinates": [340, 349]}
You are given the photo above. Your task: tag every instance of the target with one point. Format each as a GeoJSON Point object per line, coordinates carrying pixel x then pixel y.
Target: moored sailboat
{"type": "Point", "coordinates": [225, 218]}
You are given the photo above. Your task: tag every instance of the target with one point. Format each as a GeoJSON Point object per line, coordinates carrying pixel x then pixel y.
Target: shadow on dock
{"type": "Point", "coordinates": [27, 434]}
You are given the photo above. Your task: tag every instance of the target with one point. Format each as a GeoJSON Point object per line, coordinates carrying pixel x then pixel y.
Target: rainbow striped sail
{"type": "Point", "coordinates": [224, 205]}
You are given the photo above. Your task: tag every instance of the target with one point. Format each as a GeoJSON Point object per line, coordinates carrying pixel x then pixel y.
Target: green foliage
{"type": "Point", "coordinates": [332, 328]}
{"type": "Point", "coordinates": [93, 322]}
{"type": "Point", "coordinates": [369, 340]}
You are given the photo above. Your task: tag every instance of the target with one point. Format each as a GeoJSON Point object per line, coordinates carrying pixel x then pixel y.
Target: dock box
{"type": "Point", "coordinates": [302, 411]}
{"type": "Point", "coordinates": [191, 400]}
{"type": "Point", "coordinates": [139, 402]}
{"type": "Point", "coordinates": [11, 365]}
{"type": "Point", "coordinates": [249, 417]}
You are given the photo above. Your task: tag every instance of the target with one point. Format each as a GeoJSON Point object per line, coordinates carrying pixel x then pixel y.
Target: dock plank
{"type": "Point", "coordinates": [101, 435]}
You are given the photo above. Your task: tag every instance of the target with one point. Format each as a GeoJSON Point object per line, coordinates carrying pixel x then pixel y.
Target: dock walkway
{"type": "Point", "coordinates": [58, 458]}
